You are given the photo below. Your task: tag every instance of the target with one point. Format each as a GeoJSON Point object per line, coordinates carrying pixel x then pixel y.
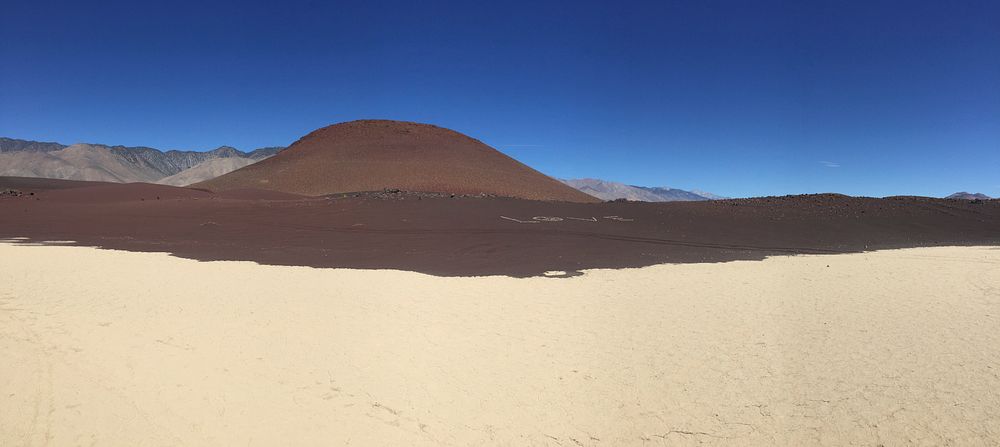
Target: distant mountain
{"type": "Point", "coordinates": [206, 170]}
{"type": "Point", "coordinates": [607, 190]}
{"type": "Point", "coordinates": [77, 162]}
{"type": "Point", "coordinates": [968, 196]}
{"type": "Point", "coordinates": [264, 152]}
{"type": "Point", "coordinates": [15, 145]}
{"type": "Point", "coordinates": [708, 195]}
{"type": "Point", "coordinates": [98, 162]}
{"type": "Point", "coordinates": [674, 194]}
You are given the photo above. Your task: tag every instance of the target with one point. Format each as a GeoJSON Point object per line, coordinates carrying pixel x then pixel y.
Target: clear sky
{"type": "Point", "coordinates": [737, 98]}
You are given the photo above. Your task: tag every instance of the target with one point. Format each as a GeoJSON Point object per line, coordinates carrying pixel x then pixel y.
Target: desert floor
{"type": "Point", "coordinates": [119, 348]}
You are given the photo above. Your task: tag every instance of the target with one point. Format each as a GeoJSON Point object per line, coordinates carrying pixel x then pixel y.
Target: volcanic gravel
{"type": "Point", "coordinates": [467, 235]}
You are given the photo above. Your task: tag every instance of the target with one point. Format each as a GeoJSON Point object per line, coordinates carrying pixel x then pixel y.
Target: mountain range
{"type": "Point", "coordinates": [98, 162]}
{"type": "Point", "coordinates": [969, 196]}
{"type": "Point", "coordinates": [121, 164]}
{"type": "Point", "coordinates": [607, 190]}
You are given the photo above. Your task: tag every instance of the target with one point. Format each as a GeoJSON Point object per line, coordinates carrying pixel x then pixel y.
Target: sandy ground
{"type": "Point", "coordinates": [116, 348]}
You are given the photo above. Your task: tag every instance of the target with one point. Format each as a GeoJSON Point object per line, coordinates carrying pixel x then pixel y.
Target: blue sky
{"type": "Point", "coordinates": [737, 98]}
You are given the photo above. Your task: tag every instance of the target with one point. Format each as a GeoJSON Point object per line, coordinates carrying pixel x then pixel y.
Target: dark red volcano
{"type": "Point", "coordinates": [373, 155]}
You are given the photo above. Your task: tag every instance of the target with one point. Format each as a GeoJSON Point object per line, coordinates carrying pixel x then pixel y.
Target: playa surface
{"type": "Point", "coordinates": [105, 347]}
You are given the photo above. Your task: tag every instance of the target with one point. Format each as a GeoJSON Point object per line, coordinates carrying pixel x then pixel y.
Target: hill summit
{"type": "Point", "coordinates": [372, 155]}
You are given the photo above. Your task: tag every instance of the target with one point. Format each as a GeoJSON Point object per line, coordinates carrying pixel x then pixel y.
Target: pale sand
{"type": "Point", "coordinates": [114, 348]}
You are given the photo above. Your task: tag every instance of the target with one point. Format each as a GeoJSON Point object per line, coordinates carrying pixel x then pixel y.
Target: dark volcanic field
{"type": "Point", "coordinates": [462, 236]}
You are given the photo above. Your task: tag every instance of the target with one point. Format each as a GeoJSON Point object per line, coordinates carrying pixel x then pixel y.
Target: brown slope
{"type": "Point", "coordinates": [206, 170]}
{"type": "Point", "coordinates": [122, 192]}
{"type": "Point", "coordinates": [472, 236]}
{"type": "Point", "coordinates": [39, 184]}
{"type": "Point", "coordinates": [372, 155]}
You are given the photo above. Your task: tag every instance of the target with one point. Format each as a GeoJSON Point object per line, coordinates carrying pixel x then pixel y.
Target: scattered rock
{"type": "Point", "coordinates": [399, 194]}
